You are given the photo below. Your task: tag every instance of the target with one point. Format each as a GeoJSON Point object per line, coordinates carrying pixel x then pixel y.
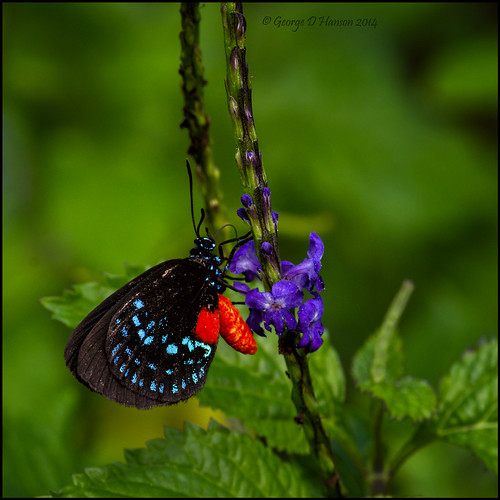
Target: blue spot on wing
{"type": "Point", "coordinates": [172, 349]}
{"type": "Point", "coordinates": [117, 346]}
{"type": "Point", "coordinates": [139, 304]}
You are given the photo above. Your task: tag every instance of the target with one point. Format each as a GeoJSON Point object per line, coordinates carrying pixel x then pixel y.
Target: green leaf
{"type": "Point", "coordinates": [255, 390]}
{"type": "Point", "coordinates": [364, 360]}
{"type": "Point", "coordinates": [195, 463]}
{"type": "Point", "coordinates": [378, 366]}
{"type": "Point", "coordinates": [75, 304]}
{"type": "Point", "coordinates": [381, 357]}
{"type": "Point", "coordinates": [328, 376]}
{"type": "Point", "coordinates": [407, 397]}
{"type": "Point", "coordinates": [468, 404]}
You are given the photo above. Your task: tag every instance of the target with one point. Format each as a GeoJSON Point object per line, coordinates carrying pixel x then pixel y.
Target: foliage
{"type": "Point", "coordinates": [263, 444]}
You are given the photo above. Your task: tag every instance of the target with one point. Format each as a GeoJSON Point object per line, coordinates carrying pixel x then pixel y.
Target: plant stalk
{"type": "Point", "coordinates": [264, 229]}
{"type": "Point", "coordinates": [195, 119]}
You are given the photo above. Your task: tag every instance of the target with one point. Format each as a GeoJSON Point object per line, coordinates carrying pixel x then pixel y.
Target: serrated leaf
{"type": "Point", "coordinates": [378, 366]}
{"type": "Point", "coordinates": [468, 404]}
{"type": "Point", "coordinates": [380, 359]}
{"type": "Point", "coordinates": [73, 305]}
{"type": "Point", "coordinates": [255, 390]}
{"type": "Point", "coordinates": [364, 361]}
{"type": "Point", "coordinates": [328, 376]}
{"type": "Point", "coordinates": [195, 463]}
{"type": "Point", "coordinates": [407, 397]}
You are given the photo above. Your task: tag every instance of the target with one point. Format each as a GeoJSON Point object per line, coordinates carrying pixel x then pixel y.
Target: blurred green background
{"type": "Point", "coordinates": [382, 140]}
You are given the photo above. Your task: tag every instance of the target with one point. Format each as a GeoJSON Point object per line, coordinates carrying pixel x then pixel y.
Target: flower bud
{"type": "Point", "coordinates": [243, 215]}
{"type": "Point", "coordinates": [250, 124]}
{"type": "Point", "coordinates": [266, 249]}
{"type": "Point", "coordinates": [241, 27]}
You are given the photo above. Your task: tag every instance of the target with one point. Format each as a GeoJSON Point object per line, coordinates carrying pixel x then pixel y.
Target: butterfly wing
{"type": "Point", "coordinates": [96, 317]}
{"type": "Point", "coordinates": [139, 347]}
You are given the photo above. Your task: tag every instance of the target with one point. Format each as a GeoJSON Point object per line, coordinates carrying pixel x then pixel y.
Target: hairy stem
{"type": "Point", "coordinates": [195, 119]}
{"type": "Point", "coordinates": [264, 229]}
{"type": "Point", "coordinates": [248, 155]}
{"type": "Point", "coordinates": [308, 416]}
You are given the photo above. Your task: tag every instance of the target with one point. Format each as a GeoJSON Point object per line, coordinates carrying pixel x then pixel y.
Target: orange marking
{"type": "Point", "coordinates": [233, 328]}
{"type": "Point", "coordinates": [208, 326]}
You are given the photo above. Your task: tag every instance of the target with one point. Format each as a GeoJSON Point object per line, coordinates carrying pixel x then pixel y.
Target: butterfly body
{"type": "Point", "coordinates": [152, 341]}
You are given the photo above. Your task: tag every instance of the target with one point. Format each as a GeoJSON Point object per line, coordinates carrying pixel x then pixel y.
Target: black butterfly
{"type": "Point", "coordinates": [152, 341]}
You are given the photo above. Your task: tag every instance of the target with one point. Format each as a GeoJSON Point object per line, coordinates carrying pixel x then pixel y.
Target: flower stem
{"type": "Point", "coordinates": [308, 415]}
{"type": "Point", "coordinates": [264, 229]}
{"type": "Point", "coordinates": [195, 119]}
{"type": "Point", "coordinates": [248, 155]}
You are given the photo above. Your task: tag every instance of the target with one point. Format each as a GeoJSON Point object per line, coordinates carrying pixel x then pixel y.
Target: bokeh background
{"type": "Point", "coordinates": [383, 140]}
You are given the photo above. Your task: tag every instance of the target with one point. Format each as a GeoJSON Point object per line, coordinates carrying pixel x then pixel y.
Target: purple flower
{"type": "Point", "coordinates": [242, 214]}
{"type": "Point", "coordinates": [306, 274]}
{"type": "Point", "coordinates": [284, 295]}
{"type": "Point", "coordinates": [248, 208]}
{"type": "Point", "coordinates": [256, 316]}
{"type": "Point", "coordinates": [266, 248]}
{"type": "Point", "coordinates": [246, 200]}
{"type": "Point", "coordinates": [310, 325]}
{"type": "Point", "coordinates": [254, 320]}
{"type": "Point", "coordinates": [245, 261]}
{"type": "Point", "coordinates": [275, 308]}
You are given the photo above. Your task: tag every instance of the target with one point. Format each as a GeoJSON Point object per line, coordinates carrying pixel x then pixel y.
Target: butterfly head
{"type": "Point", "coordinates": [204, 246]}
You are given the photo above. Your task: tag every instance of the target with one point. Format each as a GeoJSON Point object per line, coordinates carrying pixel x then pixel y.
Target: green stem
{"type": "Point", "coordinates": [264, 229]}
{"type": "Point", "coordinates": [248, 155]}
{"type": "Point", "coordinates": [378, 478]}
{"type": "Point", "coordinates": [308, 414]}
{"type": "Point", "coordinates": [195, 119]}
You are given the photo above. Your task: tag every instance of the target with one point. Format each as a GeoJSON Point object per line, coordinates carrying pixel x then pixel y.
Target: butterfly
{"type": "Point", "coordinates": [152, 341]}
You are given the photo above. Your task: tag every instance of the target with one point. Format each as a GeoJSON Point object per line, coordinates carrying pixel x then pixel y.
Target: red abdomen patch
{"type": "Point", "coordinates": [233, 328]}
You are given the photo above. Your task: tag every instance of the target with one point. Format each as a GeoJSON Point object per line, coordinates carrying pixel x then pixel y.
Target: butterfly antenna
{"type": "Point", "coordinates": [199, 223]}
{"type": "Point", "coordinates": [226, 225]}
{"type": "Point", "coordinates": [196, 228]}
